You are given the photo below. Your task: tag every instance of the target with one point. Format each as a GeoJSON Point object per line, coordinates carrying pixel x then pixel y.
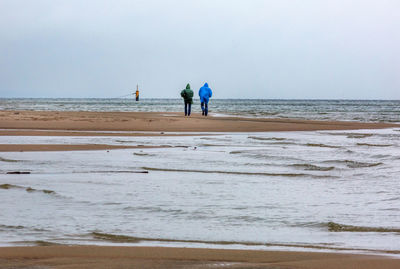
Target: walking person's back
{"type": "Point", "coordinates": [187, 95]}
{"type": "Point", "coordinates": [205, 94]}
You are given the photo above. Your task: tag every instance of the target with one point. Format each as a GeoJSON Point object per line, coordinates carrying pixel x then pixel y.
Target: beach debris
{"type": "Point", "coordinates": [18, 173]}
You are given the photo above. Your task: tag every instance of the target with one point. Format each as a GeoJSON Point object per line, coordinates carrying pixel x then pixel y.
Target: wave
{"type": "Point", "coordinates": [11, 227]}
{"type": "Point", "coordinates": [216, 139]}
{"type": "Point", "coordinates": [125, 141]}
{"type": "Point", "coordinates": [256, 154]}
{"type": "Point", "coordinates": [20, 227]}
{"type": "Point", "coordinates": [350, 135]}
{"type": "Point", "coordinates": [321, 145]}
{"type": "Point", "coordinates": [267, 138]}
{"type": "Point", "coordinates": [337, 227]}
{"type": "Point", "coordinates": [116, 238]}
{"type": "Point", "coordinates": [132, 239]}
{"type": "Point", "coordinates": [111, 171]}
{"type": "Point", "coordinates": [212, 145]}
{"type": "Point", "coordinates": [374, 145]}
{"type": "Point", "coordinates": [381, 156]}
{"type": "Point", "coordinates": [223, 172]}
{"type": "Point", "coordinates": [28, 189]}
{"type": "Point", "coordinates": [237, 152]}
{"type": "Point", "coordinates": [155, 209]}
{"type": "Point", "coordinates": [311, 167]}
{"type": "Point", "coordinates": [40, 243]}
{"type": "Point", "coordinates": [359, 135]}
{"type": "Point", "coordinates": [354, 164]}
{"type": "Point", "coordinates": [236, 173]}
{"type": "Point", "coordinates": [143, 154]}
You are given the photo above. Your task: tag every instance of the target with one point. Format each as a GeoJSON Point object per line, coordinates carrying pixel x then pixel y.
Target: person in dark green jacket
{"type": "Point", "coordinates": [187, 95]}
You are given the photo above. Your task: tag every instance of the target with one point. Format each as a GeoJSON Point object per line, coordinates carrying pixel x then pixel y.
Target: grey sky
{"type": "Point", "coordinates": [244, 49]}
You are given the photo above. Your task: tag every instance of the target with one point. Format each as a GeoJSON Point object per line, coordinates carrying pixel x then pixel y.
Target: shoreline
{"type": "Point", "coordinates": [66, 147]}
{"type": "Point", "coordinates": [89, 256]}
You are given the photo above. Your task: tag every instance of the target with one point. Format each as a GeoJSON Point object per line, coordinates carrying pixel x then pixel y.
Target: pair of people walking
{"type": "Point", "coordinates": [205, 94]}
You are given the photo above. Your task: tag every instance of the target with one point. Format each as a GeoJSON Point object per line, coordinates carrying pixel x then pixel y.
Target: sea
{"type": "Point", "coordinates": [330, 191]}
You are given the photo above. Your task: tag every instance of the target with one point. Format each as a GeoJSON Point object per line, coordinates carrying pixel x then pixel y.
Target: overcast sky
{"type": "Point", "coordinates": [307, 49]}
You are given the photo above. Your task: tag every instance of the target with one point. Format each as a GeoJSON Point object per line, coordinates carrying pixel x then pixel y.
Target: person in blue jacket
{"type": "Point", "coordinates": [205, 93]}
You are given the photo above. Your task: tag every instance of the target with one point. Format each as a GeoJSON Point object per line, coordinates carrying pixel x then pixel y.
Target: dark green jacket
{"type": "Point", "coordinates": [187, 94]}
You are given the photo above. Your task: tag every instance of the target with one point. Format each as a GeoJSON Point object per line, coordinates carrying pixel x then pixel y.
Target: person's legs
{"type": "Point", "coordinates": [189, 108]}
{"type": "Point", "coordinates": [186, 105]}
{"type": "Point", "coordinates": [202, 108]}
{"type": "Point", "coordinates": [206, 109]}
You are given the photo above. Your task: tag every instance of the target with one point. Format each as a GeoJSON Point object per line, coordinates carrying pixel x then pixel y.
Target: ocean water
{"type": "Point", "coordinates": [318, 191]}
{"type": "Point", "coordinates": [349, 110]}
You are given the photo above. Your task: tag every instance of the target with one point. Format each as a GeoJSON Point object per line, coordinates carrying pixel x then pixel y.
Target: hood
{"type": "Point", "coordinates": [206, 84]}
{"type": "Point", "coordinates": [188, 86]}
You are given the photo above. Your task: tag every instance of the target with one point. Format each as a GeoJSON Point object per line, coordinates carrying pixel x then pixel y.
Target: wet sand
{"type": "Point", "coordinates": [16, 121]}
{"type": "Point", "coordinates": [61, 123]}
{"type": "Point", "coordinates": [158, 257]}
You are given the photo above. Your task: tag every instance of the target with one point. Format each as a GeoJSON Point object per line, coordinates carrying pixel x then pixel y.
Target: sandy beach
{"type": "Point", "coordinates": [57, 123]}
{"type": "Point", "coordinates": [51, 123]}
{"type": "Point", "coordinates": [158, 257]}
{"type": "Point", "coordinates": [163, 122]}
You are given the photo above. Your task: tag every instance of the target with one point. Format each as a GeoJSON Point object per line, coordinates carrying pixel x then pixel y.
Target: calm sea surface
{"type": "Point", "coordinates": [318, 191]}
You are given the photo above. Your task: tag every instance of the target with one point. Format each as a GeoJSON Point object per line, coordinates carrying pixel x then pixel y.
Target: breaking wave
{"type": "Point", "coordinates": [116, 238]}
{"type": "Point", "coordinates": [337, 227]}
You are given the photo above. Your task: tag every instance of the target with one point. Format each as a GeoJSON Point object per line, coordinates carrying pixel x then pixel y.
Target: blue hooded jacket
{"type": "Point", "coordinates": [205, 93]}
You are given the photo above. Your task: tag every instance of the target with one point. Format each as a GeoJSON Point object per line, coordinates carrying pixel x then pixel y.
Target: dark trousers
{"type": "Point", "coordinates": [188, 107]}
{"type": "Point", "coordinates": [204, 108]}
